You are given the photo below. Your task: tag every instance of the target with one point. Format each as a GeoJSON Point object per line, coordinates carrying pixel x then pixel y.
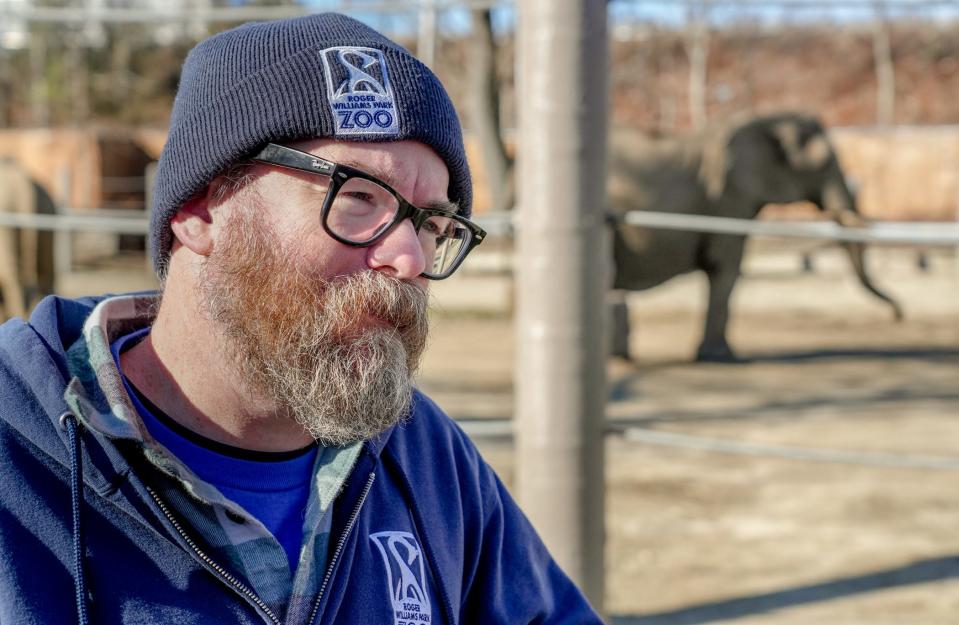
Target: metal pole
{"type": "Point", "coordinates": [561, 266]}
{"type": "Point", "coordinates": [150, 177]}
{"type": "Point", "coordinates": [426, 38]}
{"type": "Point", "coordinates": [197, 24]}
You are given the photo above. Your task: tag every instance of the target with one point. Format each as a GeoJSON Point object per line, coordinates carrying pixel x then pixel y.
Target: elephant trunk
{"type": "Point", "coordinates": [839, 203]}
{"type": "Point", "coordinates": [856, 255]}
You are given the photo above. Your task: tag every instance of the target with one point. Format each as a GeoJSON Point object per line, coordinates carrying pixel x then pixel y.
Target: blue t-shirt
{"type": "Point", "coordinates": [272, 487]}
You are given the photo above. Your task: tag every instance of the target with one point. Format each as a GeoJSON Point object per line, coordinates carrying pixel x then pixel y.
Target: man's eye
{"type": "Point", "coordinates": [359, 196]}
{"type": "Point", "coordinates": [357, 204]}
{"type": "Point", "coordinates": [438, 226]}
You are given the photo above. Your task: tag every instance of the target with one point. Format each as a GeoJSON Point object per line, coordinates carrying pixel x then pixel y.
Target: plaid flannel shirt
{"type": "Point", "coordinates": [235, 539]}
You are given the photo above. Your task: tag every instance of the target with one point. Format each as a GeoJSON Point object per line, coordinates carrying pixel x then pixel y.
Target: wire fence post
{"type": "Point", "coordinates": [562, 280]}
{"type": "Point", "coordinates": [149, 176]}
{"type": "Point", "coordinates": [63, 239]}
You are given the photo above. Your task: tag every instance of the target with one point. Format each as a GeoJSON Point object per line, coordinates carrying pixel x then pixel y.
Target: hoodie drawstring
{"type": "Point", "coordinates": [69, 422]}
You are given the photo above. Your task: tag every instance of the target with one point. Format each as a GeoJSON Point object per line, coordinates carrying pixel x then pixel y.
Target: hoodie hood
{"type": "Point", "coordinates": [34, 370]}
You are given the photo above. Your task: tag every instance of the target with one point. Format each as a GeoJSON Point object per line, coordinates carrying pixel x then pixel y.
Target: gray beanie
{"type": "Point", "coordinates": [323, 75]}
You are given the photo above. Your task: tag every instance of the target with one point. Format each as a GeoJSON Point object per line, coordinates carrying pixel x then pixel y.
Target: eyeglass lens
{"type": "Point", "coordinates": [362, 210]}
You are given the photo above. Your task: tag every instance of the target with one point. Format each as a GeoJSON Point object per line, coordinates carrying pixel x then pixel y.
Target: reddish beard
{"type": "Point", "coordinates": [338, 354]}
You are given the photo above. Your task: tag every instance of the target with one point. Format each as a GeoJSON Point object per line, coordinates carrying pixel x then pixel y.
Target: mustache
{"type": "Point", "coordinates": [398, 304]}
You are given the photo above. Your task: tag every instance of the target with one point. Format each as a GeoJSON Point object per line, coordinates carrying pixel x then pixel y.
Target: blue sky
{"type": "Point", "coordinates": [669, 13]}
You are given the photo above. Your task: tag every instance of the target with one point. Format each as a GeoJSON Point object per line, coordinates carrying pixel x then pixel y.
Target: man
{"type": "Point", "coordinates": [249, 448]}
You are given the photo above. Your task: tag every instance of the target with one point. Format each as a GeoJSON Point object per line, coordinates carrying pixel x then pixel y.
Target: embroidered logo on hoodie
{"type": "Point", "coordinates": [405, 577]}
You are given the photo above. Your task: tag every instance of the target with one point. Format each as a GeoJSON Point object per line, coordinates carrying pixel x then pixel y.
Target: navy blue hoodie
{"type": "Point", "coordinates": [423, 531]}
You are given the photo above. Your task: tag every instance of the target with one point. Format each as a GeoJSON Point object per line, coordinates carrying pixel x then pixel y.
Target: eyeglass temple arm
{"type": "Point", "coordinates": [294, 159]}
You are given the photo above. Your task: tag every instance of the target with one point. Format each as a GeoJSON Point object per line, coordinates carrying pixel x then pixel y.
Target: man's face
{"type": "Point", "coordinates": [332, 333]}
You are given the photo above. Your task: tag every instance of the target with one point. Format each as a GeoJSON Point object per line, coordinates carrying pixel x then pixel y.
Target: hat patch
{"type": "Point", "coordinates": [359, 91]}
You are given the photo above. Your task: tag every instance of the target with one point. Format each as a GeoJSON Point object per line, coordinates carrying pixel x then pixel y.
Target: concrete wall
{"type": "Point", "coordinates": [68, 162]}
{"type": "Point", "coordinates": [905, 172]}
{"type": "Point", "coordinates": [65, 162]}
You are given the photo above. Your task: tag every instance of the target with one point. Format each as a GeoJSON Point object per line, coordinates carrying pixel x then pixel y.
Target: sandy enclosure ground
{"type": "Point", "coordinates": [703, 536]}
{"type": "Point", "coordinates": [700, 536]}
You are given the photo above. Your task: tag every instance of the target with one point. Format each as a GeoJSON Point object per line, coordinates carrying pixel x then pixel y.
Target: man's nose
{"type": "Point", "coordinates": [399, 253]}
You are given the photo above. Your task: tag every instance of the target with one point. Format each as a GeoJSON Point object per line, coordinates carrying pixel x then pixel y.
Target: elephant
{"type": "Point", "coordinates": [731, 170]}
{"type": "Point", "coordinates": [26, 255]}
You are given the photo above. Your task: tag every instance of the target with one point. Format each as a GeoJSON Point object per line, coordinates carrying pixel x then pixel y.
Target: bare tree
{"type": "Point", "coordinates": [39, 94]}
{"type": "Point", "coordinates": [120, 59]}
{"type": "Point", "coordinates": [885, 72]}
{"type": "Point", "coordinates": [6, 90]}
{"type": "Point", "coordinates": [485, 112]}
{"type": "Point", "coordinates": [697, 50]}
{"type": "Point", "coordinates": [77, 63]}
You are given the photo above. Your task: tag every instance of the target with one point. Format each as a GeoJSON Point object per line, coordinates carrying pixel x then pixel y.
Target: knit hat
{"type": "Point", "coordinates": [322, 75]}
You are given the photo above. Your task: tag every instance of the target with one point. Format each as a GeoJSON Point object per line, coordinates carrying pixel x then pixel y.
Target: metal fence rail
{"type": "Point", "coordinates": [496, 429]}
{"type": "Point", "coordinates": [886, 232]}
{"type": "Point", "coordinates": [179, 13]}
{"type": "Point", "coordinates": [102, 220]}
{"type": "Point", "coordinates": [502, 224]}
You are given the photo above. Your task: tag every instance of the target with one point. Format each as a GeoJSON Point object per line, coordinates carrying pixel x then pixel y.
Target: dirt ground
{"type": "Point", "coordinates": [702, 536]}
{"type": "Point", "coordinates": [820, 506]}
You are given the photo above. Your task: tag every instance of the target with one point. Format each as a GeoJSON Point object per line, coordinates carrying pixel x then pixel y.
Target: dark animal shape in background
{"type": "Point", "coordinates": [26, 255]}
{"type": "Point", "coordinates": [727, 171]}
{"type": "Point", "coordinates": [122, 182]}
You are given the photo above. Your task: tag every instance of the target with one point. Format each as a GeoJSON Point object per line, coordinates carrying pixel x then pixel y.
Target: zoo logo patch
{"type": "Point", "coordinates": [405, 577]}
{"type": "Point", "coordinates": [359, 91]}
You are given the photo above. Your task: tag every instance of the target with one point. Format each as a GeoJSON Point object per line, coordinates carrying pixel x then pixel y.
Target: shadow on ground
{"type": "Point", "coordinates": [925, 353]}
{"type": "Point", "coordinates": [922, 353]}
{"type": "Point", "coordinates": [741, 376]}
{"type": "Point", "coordinates": [788, 409]}
{"type": "Point", "coordinates": [921, 572]}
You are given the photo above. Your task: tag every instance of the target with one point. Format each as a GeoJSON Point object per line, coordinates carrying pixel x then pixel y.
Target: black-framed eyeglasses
{"type": "Point", "coordinates": [359, 210]}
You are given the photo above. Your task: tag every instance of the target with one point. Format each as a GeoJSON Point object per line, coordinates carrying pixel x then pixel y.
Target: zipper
{"type": "Point", "coordinates": [230, 579]}
{"type": "Point", "coordinates": [339, 546]}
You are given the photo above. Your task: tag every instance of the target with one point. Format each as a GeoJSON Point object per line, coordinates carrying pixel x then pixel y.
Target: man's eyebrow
{"type": "Point", "coordinates": [441, 205]}
{"type": "Point", "coordinates": [373, 170]}
{"type": "Point", "coordinates": [444, 205]}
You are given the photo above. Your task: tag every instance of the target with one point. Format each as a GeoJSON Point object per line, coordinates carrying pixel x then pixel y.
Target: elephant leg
{"type": "Point", "coordinates": [13, 303]}
{"type": "Point", "coordinates": [722, 269]}
{"type": "Point", "coordinates": [619, 324]}
{"type": "Point", "coordinates": [46, 280]}
{"type": "Point", "coordinates": [45, 267]}
{"type": "Point", "coordinates": [29, 271]}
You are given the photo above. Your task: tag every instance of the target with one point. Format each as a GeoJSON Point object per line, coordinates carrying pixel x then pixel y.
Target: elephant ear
{"type": "Point", "coordinates": [803, 143]}
{"type": "Point", "coordinates": [778, 159]}
{"type": "Point", "coordinates": [763, 157]}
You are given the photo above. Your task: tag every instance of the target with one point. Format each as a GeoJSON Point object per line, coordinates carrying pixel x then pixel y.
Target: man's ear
{"type": "Point", "coordinates": [192, 225]}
